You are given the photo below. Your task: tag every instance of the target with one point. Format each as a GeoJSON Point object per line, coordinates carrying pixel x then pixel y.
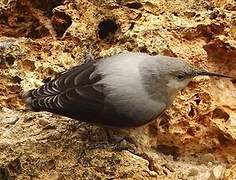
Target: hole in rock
{"type": "Point", "coordinates": [134, 5]}
{"type": "Point", "coordinates": [168, 150]}
{"type": "Point", "coordinates": [220, 114]}
{"type": "Point", "coordinates": [28, 65]}
{"type": "Point", "coordinates": [197, 99]}
{"type": "Point", "coordinates": [191, 131]}
{"type": "Point", "coordinates": [10, 60]}
{"type": "Point", "coordinates": [36, 31]}
{"type": "Point", "coordinates": [223, 139]}
{"type": "Point", "coordinates": [198, 128]}
{"type": "Point", "coordinates": [191, 112]}
{"type": "Point", "coordinates": [16, 79]}
{"type": "Point", "coordinates": [144, 49]}
{"type": "Point", "coordinates": [175, 13]}
{"type": "Point", "coordinates": [132, 25]}
{"type": "Point", "coordinates": [107, 28]}
{"type": "Point", "coordinates": [3, 19]}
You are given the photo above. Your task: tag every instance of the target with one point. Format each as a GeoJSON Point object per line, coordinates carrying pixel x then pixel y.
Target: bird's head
{"type": "Point", "coordinates": [175, 74]}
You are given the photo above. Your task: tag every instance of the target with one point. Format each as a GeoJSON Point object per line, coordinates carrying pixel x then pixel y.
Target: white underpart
{"type": "Point", "coordinates": [122, 78]}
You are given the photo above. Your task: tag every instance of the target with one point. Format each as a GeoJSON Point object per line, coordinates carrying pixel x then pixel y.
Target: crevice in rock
{"type": "Point", "coordinates": [16, 79]}
{"type": "Point", "coordinates": [191, 131]}
{"type": "Point", "coordinates": [220, 49]}
{"type": "Point", "coordinates": [32, 19]}
{"type": "Point", "coordinates": [134, 5]}
{"type": "Point", "coordinates": [46, 5]}
{"type": "Point", "coordinates": [150, 161]}
{"type": "Point", "coordinates": [20, 22]}
{"type": "Point", "coordinates": [131, 25]}
{"type": "Point", "coordinates": [61, 22]}
{"type": "Point", "coordinates": [207, 31]}
{"type": "Point", "coordinates": [224, 140]}
{"type": "Point", "coordinates": [197, 99]}
{"type": "Point", "coordinates": [191, 112]}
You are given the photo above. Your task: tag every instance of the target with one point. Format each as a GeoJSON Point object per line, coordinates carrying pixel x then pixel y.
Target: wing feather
{"type": "Point", "coordinates": [72, 90]}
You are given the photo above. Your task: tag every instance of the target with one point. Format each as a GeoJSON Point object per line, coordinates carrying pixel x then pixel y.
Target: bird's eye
{"type": "Point", "coordinates": [180, 76]}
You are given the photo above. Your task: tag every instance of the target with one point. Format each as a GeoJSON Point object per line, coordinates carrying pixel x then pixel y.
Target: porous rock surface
{"type": "Point", "coordinates": [197, 136]}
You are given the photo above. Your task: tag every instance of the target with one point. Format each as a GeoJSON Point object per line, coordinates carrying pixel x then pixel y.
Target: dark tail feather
{"type": "Point", "coordinates": [28, 97]}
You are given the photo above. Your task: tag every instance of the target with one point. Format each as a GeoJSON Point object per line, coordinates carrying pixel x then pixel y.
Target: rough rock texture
{"type": "Point", "coordinates": [197, 137]}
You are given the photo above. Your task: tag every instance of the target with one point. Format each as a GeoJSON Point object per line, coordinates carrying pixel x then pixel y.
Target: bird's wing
{"type": "Point", "coordinates": [71, 93]}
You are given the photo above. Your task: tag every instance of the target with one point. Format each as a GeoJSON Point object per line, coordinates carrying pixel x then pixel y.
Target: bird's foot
{"type": "Point", "coordinates": [114, 142]}
{"type": "Point", "coordinates": [119, 142]}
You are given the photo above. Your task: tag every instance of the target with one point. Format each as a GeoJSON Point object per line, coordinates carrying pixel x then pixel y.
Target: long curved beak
{"type": "Point", "coordinates": [206, 73]}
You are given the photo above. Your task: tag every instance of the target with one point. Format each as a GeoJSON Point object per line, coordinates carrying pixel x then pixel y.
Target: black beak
{"type": "Point", "coordinates": [206, 73]}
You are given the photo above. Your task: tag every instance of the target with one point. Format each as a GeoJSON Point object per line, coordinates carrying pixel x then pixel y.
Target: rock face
{"type": "Point", "coordinates": [197, 137]}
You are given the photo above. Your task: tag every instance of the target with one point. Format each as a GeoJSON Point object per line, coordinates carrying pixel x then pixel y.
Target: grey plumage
{"type": "Point", "coordinates": [124, 90]}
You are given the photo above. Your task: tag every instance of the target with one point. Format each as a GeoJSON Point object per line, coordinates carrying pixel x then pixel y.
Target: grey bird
{"type": "Point", "coordinates": [121, 91]}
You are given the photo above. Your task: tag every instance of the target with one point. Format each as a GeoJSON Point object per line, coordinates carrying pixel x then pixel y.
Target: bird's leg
{"type": "Point", "coordinates": [112, 141]}
{"type": "Point", "coordinates": [120, 142]}
{"type": "Point", "coordinates": [111, 138]}
{"type": "Point", "coordinates": [98, 139]}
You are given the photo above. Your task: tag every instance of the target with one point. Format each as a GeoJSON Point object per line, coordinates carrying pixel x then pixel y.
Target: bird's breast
{"type": "Point", "coordinates": [123, 88]}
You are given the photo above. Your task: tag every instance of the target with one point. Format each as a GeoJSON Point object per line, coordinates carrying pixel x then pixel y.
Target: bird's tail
{"type": "Point", "coordinates": [35, 100]}
{"type": "Point", "coordinates": [40, 99]}
{"type": "Point", "coordinates": [28, 98]}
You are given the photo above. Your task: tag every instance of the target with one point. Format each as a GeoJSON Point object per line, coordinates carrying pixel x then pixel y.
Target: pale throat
{"type": "Point", "coordinates": [173, 87]}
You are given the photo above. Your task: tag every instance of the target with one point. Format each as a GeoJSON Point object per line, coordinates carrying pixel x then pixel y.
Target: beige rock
{"type": "Point", "coordinates": [218, 172]}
